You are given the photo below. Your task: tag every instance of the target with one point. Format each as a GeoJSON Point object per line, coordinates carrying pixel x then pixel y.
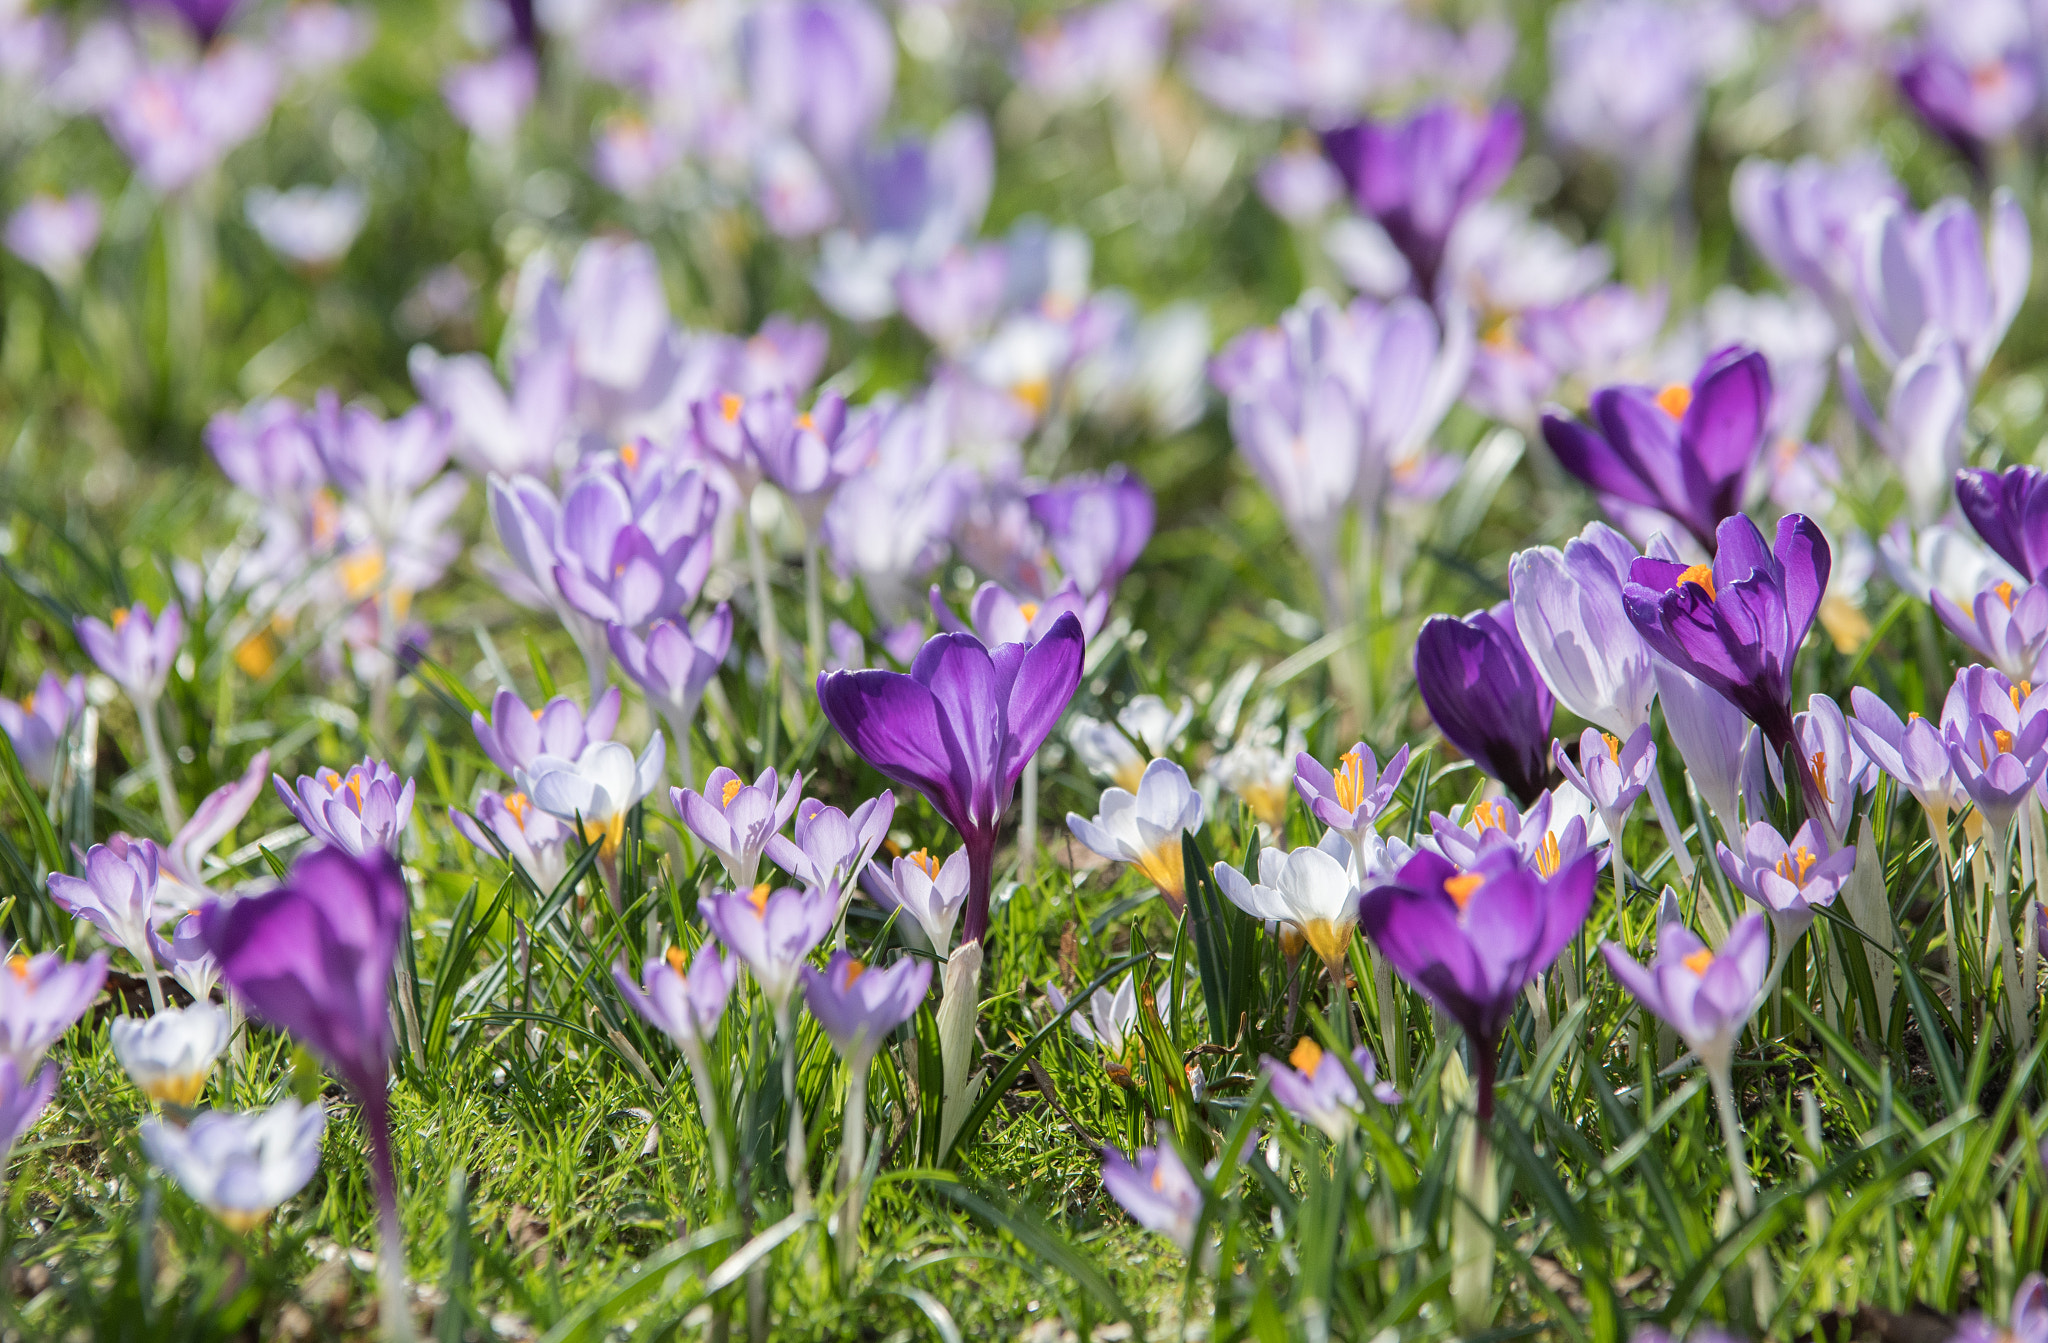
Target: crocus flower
{"type": "Point", "coordinates": [1737, 624]}
{"type": "Point", "coordinates": [1145, 828]}
{"type": "Point", "coordinates": [1485, 696]}
{"type": "Point", "coordinates": [1470, 941]}
{"type": "Point", "coordinates": [1001, 617]}
{"type": "Point", "coordinates": [1685, 451]}
{"type": "Point", "coordinates": [1973, 103]}
{"type": "Point", "coordinates": [2010, 628]}
{"type": "Point", "coordinates": [170, 1055]}
{"type": "Point", "coordinates": [597, 788]}
{"type": "Point", "coordinates": [39, 722]}
{"type": "Point", "coordinates": [1158, 1192]}
{"type": "Point", "coordinates": [1095, 526]}
{"type": "Point", "coordinates": [1549, 836]}
{"type": "Point", "coordinates": [1912, 752]}
{"type": "Point", "coordinates": [1317, 1089]}
{"type": "Point", "coordinates": [674, 665]}
{"type": "Point", "coordinates": [1789, 879]}
{"type": "Point", "coordinates": [858, 1006]}
{"type": "Point", "coordinates": [240, 1167]}
{"type": "Point", "coordinates": [929, 891]}
{"type": "Point", "coordinates": [176, 120]}
{"type": "Point", "coordinates": [1418, 176]}
{"type": "Point", "coordinates": [1111, 1022]}
{"type": "Point", "coordinates": [22, 1099]}
{"type": "Point", "coordinates": [1943, 272]}
{"type": "Point", "coordinates": [510, 824]}
{"type": "Point", "coordinates": [805, 454]}
{"type": "Point", "coordinates": [683, 998]}
{"type": "Point", "coordinates": [2027, 1324]}
{"type": "Point", "coordinates": [1610, 773]}
{"type": "Point", "coordinates": [959, 729]}
{"type": "Point", "coordinates": [1925, 415]}
{"type": "Point", "coordinates": [188, 957]}
{"type": "Point", "coordinates": [55, 234]}
{"type": "Point", "coordinates": [1309, 888]}
{"type": "Point", "coordinates": [831, 848]}
{"type": "Point", "coordinates": [1706, 996]}
{"type": "Point", "coordinates": [1628, 79]}
{"type": "Point", "coordinates": [1569, 612]}
{"type": "Point", "coordinates": [1351, 797]}
{"type": "Point", "coordinates": [181, 865]}
{"type": "Point", "coordinates": [206, 18]}
{"type": "Point", "coordinates": [491, 97]}
{"type": "Point", "coordinates": [1107, 752]}
{"type": "Point", "coordinates": [1996, 733]}
{"type": "Point", "coordinates": [1804, 217]}
{"type": "Point", "coordinates": [310, 226]}
{"type": "Point", "coordinates": [117, 894]}
{"type": "Point", "coordinates": [737, 818]}
{"type": "Point", "coordinates": [40, 999]}
{"type": "Point", "coordinates": [634, 561]}
{"type": "Point", "coordinates": [364, 809]}
{"type": "Point", "coordinates": [2009, 510]}
{"type": "Point", "coordinates": [773, 932]}
{"type": "Point", "coordinates": [1259, 776]}
{"type": "Point", "coordinates": [514, 736]}
{"type": "Point", "coordinates": [134, 648]}
{"type": "Point", "coordinates": [1836, 764]}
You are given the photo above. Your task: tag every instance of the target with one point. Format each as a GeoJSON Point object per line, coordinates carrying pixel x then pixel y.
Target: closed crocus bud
{"type": "Point", "coordinates": [1145, 828]}
{"type": "Point", "coordinates": [1485, 696]}
{"type": "Point", "coordinates": [1111, 1022]}
{"type": "Point", "coordinates": [1569, 612]}
{"type": "Point", "coordinates": [170, 1055]}
{"type": "Point", "coordinates": [39, 721]}
{"type": "Point", "coordinates": [239, 1167]}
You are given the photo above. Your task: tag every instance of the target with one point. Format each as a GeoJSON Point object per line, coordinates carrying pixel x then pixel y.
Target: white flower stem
{"type": "Point", "coordinates": [814, 604]}
{"type": "Point", "coordinates": [2001, 932]}
{"type": "Point", "coordinates": [160, 764]}
{"type": "Point", "coordinates": [795, 1163]}
{"type": "Point", "coordinates": [149, 975]}
{"type": "Point", "coordinates": [764, 599]}
{"type": "Point", "coordinates": [853, 1155]}
{"type": "Point", "coordinates": [1731, 1138]}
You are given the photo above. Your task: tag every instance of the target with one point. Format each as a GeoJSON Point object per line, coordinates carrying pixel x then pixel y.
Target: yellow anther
{"type": "Point", "coordinates": [729, 406]}
{"type": "Point", "coordinates": [1613, 746]}
{"type": "Point", "coordinates": [119, 618]}
{"type": "Point", "coordinates": [1700, 575]}
{"type": "Point", "coordinates": [1306, 1056]}
{"type": "Point", "coordinates": [1350, 781]}
{"type": "Point", "coordinates": [518, 804]}
{"type": "Point", "coordinates": [923, 861]}
{"type": "Point", "coordinates": [758, 898]}
{"type": "Point", "coordinates": [2004, 591]}
{"type": "Point", "coordinates": [1794, 866]}
{"type": "Point", "coordinates": [729, 792]}
{"type": "Point", "coordinates": [1675, 400]}
{"type": "Point", "coordinates": [1699, 961]}
{"type": "Point", "coordinates": [855, 968]}
{"type": "Point", "coordinates": [1548, 859]}
{"type": "Point", "coordinates": [1029, 610]}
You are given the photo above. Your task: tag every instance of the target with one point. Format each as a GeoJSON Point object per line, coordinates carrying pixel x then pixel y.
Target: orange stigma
{"type": "Point", "coordinates": [923, 861]}
{"type": "Point", "coordinates": [675, 961]}
{"type": "Point", "coordinates": [1794, 866]}
{"type": "Point", "coordinates": [1613, 746]}
{"type": "Point", "coordinates": [1675, 399]}
{"type": "Point", "coordinates": [1700, 576]}
{"type": "Point", "coordinates": [1460, 887]}
{"type": "Point", "coordinates": [629, 453]}
{"type": "Point", "coordinates": [518, 804]}
{"type": "Point", "coordinates": [1307, 1056]}
{"type": "Point", "coordinates": [758, 898]}
{"type": "Point", "coordinates": [1699, 961]}
{"type": "Point", "coordinates": [855, 968]}
{"type": "Point", "coordinates": [2004, 591]}
{"type": "Point", "coordinates": [1489, 815]}
{"type": "Point", "coordinates": [729, 406]}
{"type": "Point", "coordinates": [120, 616]}
{"type": "Point", "coordinates": [1029, 610]}
{"type": "Point", "coordinates": [1350, 781]}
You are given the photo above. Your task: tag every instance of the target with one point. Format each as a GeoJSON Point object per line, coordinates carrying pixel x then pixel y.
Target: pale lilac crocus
{"type": "Point", "coordinates": [117, 896]}
{"type": "Point", "coordinates": [1159, 1192]}
{"type": "Point", "coordinates": [1145, 828]}
{"type": "Point", "coordinates": [22, 1099]}
{"type": "Point", "coordinates": [1803, 217]}
{"type": "Point", "coordinates": [311, 227]}
{"type": "Point", "coordinates": [1095, 526]}
{"type": "Point", "coordinates": [182, 864]}
{"type": "Point", "coordinates": [39, 722]}
{"type": "Point", "coordinates": [135, 648]}
{"type": "Point", "coordinates": [737, 818]}
{"type": "Point", "coordinates": [674, 665]}
{"type": "Point", "coordinates": [1315, 1087]}
{"type": "Point", "coordinates": [1837, 764]}
{"type": "Point", "coordinates": [926, 889]}
{"type": "Point", "coordinates": [685, 999]}
{"type": "Point", "coordinates": [364, 809]}
{"type": "Point", "coordinates": [490, 97]}
{"type": "Point", "coordinates": [514, 736]}
{"type": "Point", "coordinates": [1568, 609]}
{"type": "Point", "coordinates": [56, 234]}
{"type": "Point", "coordinates": [1712, 737]}
{"type": "Point", "coordinates": [1913, 753]}
{"type": "Point", "coordinates": [240, 1166]}
{"type": "Point", "coordinates": [1611, 774]}
{"type": "Point", "coordinates": [1111, 1022]}
{"type": "Point", "coordinates": [1996, 733]}
{"type": "Point", "coordinates": [1351, 797]}
{"type": "Point", "coordinates": [1944, 271]}
{"type": "Point", "coordinates": [831, 848]}
{"type": "Point", "coordinates": [188, 957]}
{"type": "Point", "coordinates": [41, 997]}
{"type": "Point", "coordinates": [2008, 626]}
{"type": "Point", "coordinates": [1552, 833]}
{"type": "Point", "coordinates": [1789, 878]}
{"type": "Point", "coordinates": [859, 1006]}
{"type": "Point", "coordinates": [511, 825]}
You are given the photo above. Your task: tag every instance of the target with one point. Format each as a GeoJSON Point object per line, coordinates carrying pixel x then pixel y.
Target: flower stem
{"type": "Point", "coordinates": [764, 600]}
{"type": "Point", "coordinates": [795, 1163]}
{"type": "Point", "coordinates": [853, 1154]}
{"type": "Point", "coordinates": [814, 604]}
{"type": "Point", "coordinates": [160, 764]}
{"type": "Point", "coordinates": [1731, 1138]}
{"type": "Point", "coordinates": [395, 1307]}
{"type": "Point", "coordinates": [2000, 838]}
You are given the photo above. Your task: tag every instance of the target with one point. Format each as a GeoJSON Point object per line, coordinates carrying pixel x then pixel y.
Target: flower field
{"type": "Point", "coordinates": [898, 669]}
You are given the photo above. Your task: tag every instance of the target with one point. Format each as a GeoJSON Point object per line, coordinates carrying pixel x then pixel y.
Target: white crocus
{"type": "Point", "coordinates": [1312, 889]}
{"type": "Point", "coordinates": [169, 1056]}
{"type": "Point", "coordinates": [597, 788]}
{"type": "Point", "coordinates": [1112, 1020]}
{"type": "Point", "coordinates": [1105, 752]}
{"type": "Point", "coordinates": [240, 1166]}
{"type": "Point", "coordinates": [928, 891]}
{"type": "Point", "coordinates": [1145, 828]}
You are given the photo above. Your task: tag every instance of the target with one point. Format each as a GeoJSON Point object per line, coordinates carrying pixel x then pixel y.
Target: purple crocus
{"type": "Point", "coordinates": [1973, 103]}
{"type": "Point", "coordinates": [959, 729]}
{"type": "Point", "coordinates": [514, 735]}
{"type": "Point", "coordinates": [117, 895]}
{"type": "Point", "coordinates": [509, 823]}
{"type": "Point", "coordinates": [1685, 451]}
{"type": "Point", "coordinates": [2008, 627]}
{"type": "Point", "coordinates": [1737, 624]}
{"type": "Point", "coordinates": [1317, 1089]}
{"type": "Point", "coordinates": [1706, 996]}
{"type": "Point", "coordinates": [1789, 878]}
{"type": "Point", "coordinates": [1470, 941]}
{"type": "Point", "coordinates": [205, 18]}
{"type": "Point", "coordinates": [39, 721]}
{"type": "Point", "coordinates": [313, 958]}
{"type": "Point", "coordinates": [2009, 510]}
{"type": "Point", "coordinates": [831, 847]}
{"type": "Point", "coordinates": [41, 997]}
{"type": "Point", "coordinates": [773, 932]}
{"type": "Point", "coordinates": [1159, 1192]}
{"type": "Point", "coordinates": [1610, 773]}
{"type": "Point", "coordinates": [364, 809]}
{"type": "Point", "coordinates": [1996, 733]}
{"type": "Point", "coordinates": [2028, 1322]}
{"type": "Point", "coordinates": [1484, 695]}
{"type": "Point", "coordinates": [1835, 763]}
{"type": "Point", "coordinates": [188, 957]}
{"type": "Point", "coordinates": [1913, 753]}
{"type": "Point", "coordinates": [805, 454]}
{"type": "Point", "coordinates": [674, 665]}
{"type": "Point", "coordinates": [1804, 216]}
{"type": "Point", "coordinates": [134, 648]}
{"type": "Point", "coordinates": [683, 998]}
{"type": "Point", "coordinates": [1416, 177]}
{"type": "Point", "coordinates": [22, 1099]}
{"type": "Point", "coordinates": [1095, 526]}
{"type": "Point", "coordinates": [634, 561]}
{"type": "Point", "coordinates": [858, 1006]}
{"type": "Point", "coordinates": [1349, 798]}
{"type": "Point", "coordinates": [183, 861]}
{"type": "Point", "coordinates": [737, 818]}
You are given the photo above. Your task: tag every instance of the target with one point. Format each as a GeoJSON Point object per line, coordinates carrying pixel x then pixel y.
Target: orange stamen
{"type": "Point", "coordinates": [1613, 747]}
{"type": "Point", "coordinates": [1794, 866]}
{"type": "Point", "coordinates": [2004, 591]}
{"type": "Point", "coordinates": [923, 861]}
{"type": "Point", "coordinates": [1548, 859]}
{"type": "Point", "coordinates": [120, 616]}
{"type": "Point", "coordinates": [1819, 769]}
{"type": "Point", "coordinates": [1460, 887]}
{"type": "Point", "coordinates": [729, 792]}
{"type": "Point", "coordinates": [854, 970]}
{"type": "Point", "coordinates": [1350, 781]}
{"type": "Point", "coordinates": [1675, 400]}
{"type": "Point", "coordinates": [758, 898]}
{"type": "Point", "coordinates": [729, 406]}
{"type": "Point", "coordinates": [1491, 815]}
{"type": "Point", "coordinates": [1699, 961]}
{"type": "Point", "coordinates": [1307, 1056]}
{"type": "Point", "coordinates": [518, 804]}
{"type": "Point", "coordinates": [1029, 610]}
{"type": "Point", "coordinates": [675, 960]}
{"type": "Point", "coordinates": [1701, 576]}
